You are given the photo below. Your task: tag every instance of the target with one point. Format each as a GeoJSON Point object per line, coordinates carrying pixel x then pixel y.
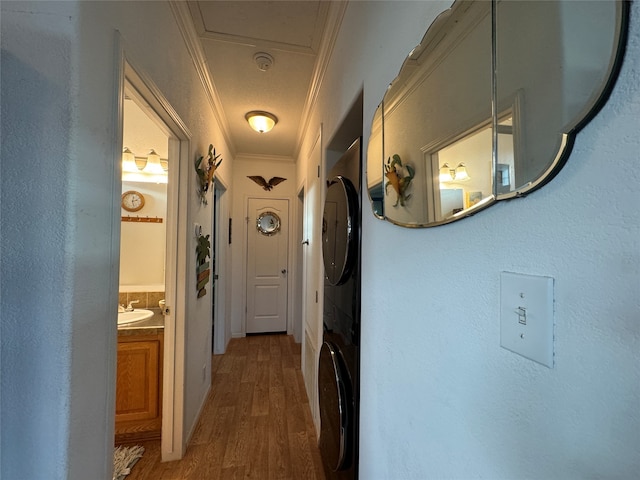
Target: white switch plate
{"type": "Point", "coordinates": [526, 316]}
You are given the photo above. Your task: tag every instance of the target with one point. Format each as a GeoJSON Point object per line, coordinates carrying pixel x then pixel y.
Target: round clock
{"type": "Point", "coordinates": [132, 201]}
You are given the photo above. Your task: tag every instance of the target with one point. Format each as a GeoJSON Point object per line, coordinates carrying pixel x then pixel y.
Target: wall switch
{"type": "Point", "coordinates": [526, 316]}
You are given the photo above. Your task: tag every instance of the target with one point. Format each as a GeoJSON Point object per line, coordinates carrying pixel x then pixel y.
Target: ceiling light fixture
{"type": "Point", "coordinates": [261, 122]}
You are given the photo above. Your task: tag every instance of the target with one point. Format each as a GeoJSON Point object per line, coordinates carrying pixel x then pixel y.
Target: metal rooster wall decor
{"type": "Point", "coordinates": [205, 168]}
{"type": "Point", "coordinates": [264, 184]}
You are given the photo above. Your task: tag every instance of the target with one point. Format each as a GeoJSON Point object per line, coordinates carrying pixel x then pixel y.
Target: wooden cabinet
{"type": "Point", "coordinates": [139, 387]}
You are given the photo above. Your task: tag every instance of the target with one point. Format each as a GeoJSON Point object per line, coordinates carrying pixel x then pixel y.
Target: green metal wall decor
{"type": "Point", "coordinates": [205, 168]}
{"type": "Point", "coordinates": [202, 264]}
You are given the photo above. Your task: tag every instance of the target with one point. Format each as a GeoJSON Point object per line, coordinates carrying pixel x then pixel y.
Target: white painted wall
{"type": "Point", "coordinates": [142, 245]}
{"type": "Point", "coordinates": [59, 267]}
{"type": "Point", "coordinates": [440, 398]}
{"type": "Point", "coordinates": [244, 187]}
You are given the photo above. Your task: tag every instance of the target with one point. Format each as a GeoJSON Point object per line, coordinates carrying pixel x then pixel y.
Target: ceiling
{"type": "Point", "coordinates": [230, 33]}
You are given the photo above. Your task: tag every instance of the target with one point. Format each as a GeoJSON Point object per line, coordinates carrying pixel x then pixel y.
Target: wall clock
{"type": "Point", "coordinates": [132, 201]}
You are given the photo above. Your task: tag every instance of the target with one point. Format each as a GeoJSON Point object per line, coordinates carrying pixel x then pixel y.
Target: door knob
{"type": "Point", "coordinates": [305, 242]}
{"type": "Point", "coordinates": [284, 271]}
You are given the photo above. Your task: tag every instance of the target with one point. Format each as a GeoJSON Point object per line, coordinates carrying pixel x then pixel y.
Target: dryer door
{"type": "Point", "coordinates": [339, 230]}
{"type": "Point", "coordinates": [336, 409]}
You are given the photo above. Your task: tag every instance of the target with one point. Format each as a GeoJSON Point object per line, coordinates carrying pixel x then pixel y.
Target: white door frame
{"type": "Point", "coordinates": [173, 443]}
{"type": "Point", "coordinates": [313, 275]}
{"type": "Point", "coordinates": [291, 259]}
{"type": "Point", "coordinates": [222, 328]}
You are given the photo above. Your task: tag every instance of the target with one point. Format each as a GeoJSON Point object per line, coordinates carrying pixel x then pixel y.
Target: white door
{"type": "Point", "coordinates": [267, 265]}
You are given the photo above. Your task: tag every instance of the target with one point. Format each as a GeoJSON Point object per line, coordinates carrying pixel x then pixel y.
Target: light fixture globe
{"type": "Point", "coordinates": [129, 161]}
{"type": "Point", "coordinates": [261, 122]}
{"type": "Point", "coordinates": [153, 164]}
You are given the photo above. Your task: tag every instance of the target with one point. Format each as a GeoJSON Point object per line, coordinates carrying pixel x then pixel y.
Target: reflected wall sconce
{"type": "Point", "coordinates": [261, 122]}
{"type": "Point", "coordinates": [458, 174]}
{"type": "Point", "coordinates": [151, 168]}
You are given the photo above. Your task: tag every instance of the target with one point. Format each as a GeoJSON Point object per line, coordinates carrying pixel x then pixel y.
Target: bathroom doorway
{"type": "Point", "coordinates": [157, 114]}
{"type": "Point", "coordinates": [141, 285]}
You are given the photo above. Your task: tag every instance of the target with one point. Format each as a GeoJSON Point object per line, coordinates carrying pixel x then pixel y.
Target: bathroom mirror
{"type": "Point", "coordinates": [487, 106]}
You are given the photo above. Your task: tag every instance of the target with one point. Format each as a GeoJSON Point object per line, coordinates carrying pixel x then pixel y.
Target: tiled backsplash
{"type": "Point", "coordinates": [147, 299]}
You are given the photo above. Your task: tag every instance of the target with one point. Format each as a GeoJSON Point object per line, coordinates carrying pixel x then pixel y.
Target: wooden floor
{"type": "Point", "coordinates": [256, 422]}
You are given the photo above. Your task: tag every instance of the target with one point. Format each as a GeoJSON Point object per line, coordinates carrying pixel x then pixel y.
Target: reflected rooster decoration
{"type": "Point", "coordinates": [397, 180]}
{"type": "Point", "coordinates": [264, 184]}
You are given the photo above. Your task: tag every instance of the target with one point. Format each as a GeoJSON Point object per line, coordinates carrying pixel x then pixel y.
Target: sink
{"type": "Point", "coordinates": [135, 316]}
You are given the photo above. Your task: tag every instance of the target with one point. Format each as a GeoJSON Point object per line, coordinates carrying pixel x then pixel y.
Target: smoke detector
{"type": "Point", "coordinates": [263, 60]}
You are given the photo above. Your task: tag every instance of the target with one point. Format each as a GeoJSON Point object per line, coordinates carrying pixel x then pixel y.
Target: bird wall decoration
{"type": "Point", "coordinates": [264, 184]}
{"type": "Point", "coordinates": [205, 168]}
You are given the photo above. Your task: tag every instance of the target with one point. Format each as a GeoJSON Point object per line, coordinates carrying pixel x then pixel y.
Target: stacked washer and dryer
{"type": "Point", "coordinates": [339, 364]}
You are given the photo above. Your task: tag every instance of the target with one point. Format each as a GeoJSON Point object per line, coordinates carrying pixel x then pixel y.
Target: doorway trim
{"type": "Point", "coordinates": [128, 72]}
{"type": "Point", "coordinates": [222, 327]}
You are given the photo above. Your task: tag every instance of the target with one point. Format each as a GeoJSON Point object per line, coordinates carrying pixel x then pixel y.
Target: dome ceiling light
{"type": "Point", "coordinates": [261, 122]}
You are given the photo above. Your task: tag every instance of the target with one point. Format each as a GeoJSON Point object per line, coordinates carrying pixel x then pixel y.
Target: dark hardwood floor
{"type": "Point", "coordinates": [256, 422]}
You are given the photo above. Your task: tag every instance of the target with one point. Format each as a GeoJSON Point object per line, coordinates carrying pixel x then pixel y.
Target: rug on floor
{"type": "Point", "coordinates": [124, 458]}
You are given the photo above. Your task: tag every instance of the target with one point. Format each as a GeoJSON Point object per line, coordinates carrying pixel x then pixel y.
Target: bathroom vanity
{"type": "Point", "coordinates": [139, 381]}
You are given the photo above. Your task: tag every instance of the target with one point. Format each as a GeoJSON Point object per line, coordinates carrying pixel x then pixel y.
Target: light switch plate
{"type": "Point", "coordinates": [526, 316]}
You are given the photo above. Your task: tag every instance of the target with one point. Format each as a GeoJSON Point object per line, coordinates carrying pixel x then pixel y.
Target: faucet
{"type": "Point", "coordinates": [130, 306]}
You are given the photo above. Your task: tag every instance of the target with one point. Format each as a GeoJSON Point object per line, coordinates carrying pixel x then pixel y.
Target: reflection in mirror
{"type": "Point", "coordinates": [569, 62]}
{"type": "Point", "coordinates": [464, 174]}
{"type": "Point", "coordinates": [442, 96]}
{"type": "Point", "coordinates": [495, 91]}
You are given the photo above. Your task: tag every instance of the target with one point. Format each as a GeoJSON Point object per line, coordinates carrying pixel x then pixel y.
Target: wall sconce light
{"type": "Point", "coordinates": [129, 161]}
{"type": "Point", "coordinates": [153, 164]}
{"type": "Point", "coordinates": [458, 174]}
{"type": "Point", "coordinates": [261, 122]}
{"type": "Point", "coordinates": [144, 169]}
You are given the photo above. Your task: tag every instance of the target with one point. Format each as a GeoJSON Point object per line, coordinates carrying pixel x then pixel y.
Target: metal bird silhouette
{"type": "Point", "coordinates": [264, 184]}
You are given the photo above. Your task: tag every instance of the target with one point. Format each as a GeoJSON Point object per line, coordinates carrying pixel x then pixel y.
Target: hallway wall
{"type": "Point", "coordinates": [59, 264]}
{"type": "Point", "coordinates": [440, 398]}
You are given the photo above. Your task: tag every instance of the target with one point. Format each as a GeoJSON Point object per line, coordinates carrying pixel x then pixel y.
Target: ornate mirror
{"type": "Point", "coordinates": [487, 106]}
{"type": "Point", "coordinates": [268, 223]}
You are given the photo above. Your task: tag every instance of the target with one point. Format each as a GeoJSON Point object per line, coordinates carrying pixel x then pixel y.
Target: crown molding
{"type": "Point", "coordinates": [253, 157]}
{"type": "Point", "coordinates": [182, 15]}
{"type": "Point", "coordinates": [333, 22]}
